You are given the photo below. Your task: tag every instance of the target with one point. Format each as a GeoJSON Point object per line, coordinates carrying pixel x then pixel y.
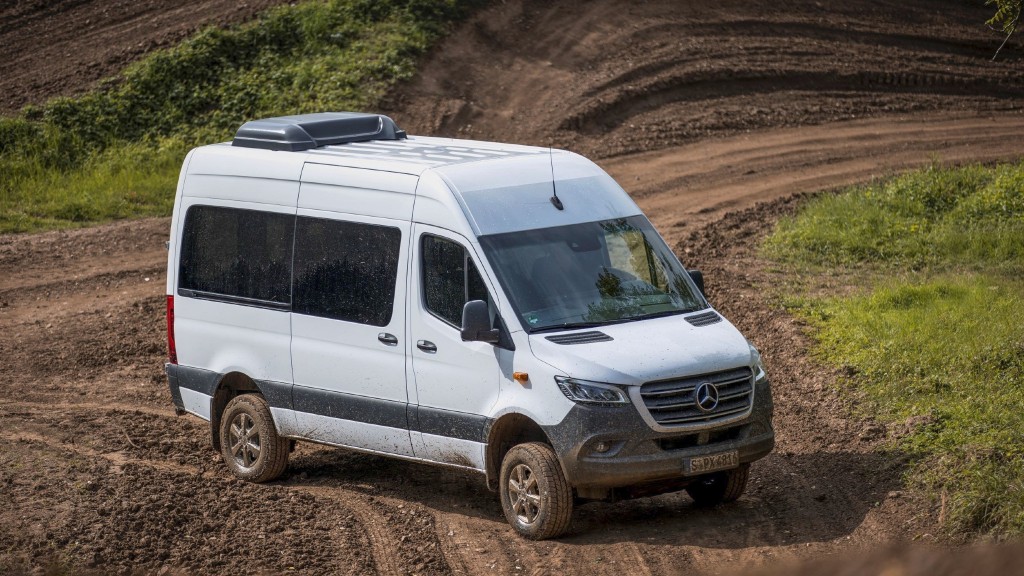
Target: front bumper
{"type": "Point", "coordinates": [640, 455]}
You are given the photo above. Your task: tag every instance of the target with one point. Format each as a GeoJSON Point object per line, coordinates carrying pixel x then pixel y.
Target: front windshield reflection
{"type": "Point", "coordinates": [590, 274]}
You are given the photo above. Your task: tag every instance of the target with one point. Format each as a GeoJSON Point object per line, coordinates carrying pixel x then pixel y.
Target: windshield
{"type": "Point", "coordinates": [590, 274]}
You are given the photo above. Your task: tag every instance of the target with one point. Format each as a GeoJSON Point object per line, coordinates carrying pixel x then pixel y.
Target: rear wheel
{"type": "Point", "coordinates": [249, 441]}
{"type": "Point", "coordinates": [535, 496]}
{"type": "Point", "coordinates": [720, 487]}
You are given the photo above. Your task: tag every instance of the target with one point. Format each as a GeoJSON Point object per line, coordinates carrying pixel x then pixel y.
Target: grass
{"type": "Point", "coordinates": [932, 336]}
{"type": "Point", "coordinates": [115, 152]}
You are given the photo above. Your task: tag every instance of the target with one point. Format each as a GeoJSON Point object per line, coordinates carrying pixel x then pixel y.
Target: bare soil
{"type": "Point", "coordinates": [715, 118]}
{"type": "Point", "coordinates": [52, 48]}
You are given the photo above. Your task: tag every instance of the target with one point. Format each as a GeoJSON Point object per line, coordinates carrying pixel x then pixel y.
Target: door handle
{"type": "Point", "coordinates": [388, 339]}
{"type": "Point", "coordinates": [426, 346]}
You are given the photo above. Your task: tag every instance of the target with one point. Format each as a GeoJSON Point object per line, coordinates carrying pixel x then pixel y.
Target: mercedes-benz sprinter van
{"type": "Point", "coordinates": [491, 307]}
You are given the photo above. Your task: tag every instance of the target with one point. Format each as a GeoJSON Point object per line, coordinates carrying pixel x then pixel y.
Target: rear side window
{"type": "Point", "coordinates": [450, 279]}
{"type": "Point", "coordinates": [237, 253]}
{"type": "Point", "coordinates": [346, 270]}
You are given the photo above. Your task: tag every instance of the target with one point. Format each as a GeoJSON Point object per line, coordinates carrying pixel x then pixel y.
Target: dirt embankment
{"type": "Point", "coordinates": [52, 48]}
{"type": "Point", "coordinates": [608, 78]}
{"type": "Point", "coordinates": [96, 472]}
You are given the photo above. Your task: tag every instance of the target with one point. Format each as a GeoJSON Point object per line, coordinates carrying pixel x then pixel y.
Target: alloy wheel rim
{"type": "Point", "coordinates": [245, 440]}
{"type": "Point", "coordinates": [524, 494]}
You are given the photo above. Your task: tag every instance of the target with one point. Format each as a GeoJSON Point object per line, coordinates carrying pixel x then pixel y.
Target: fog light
{"type": "Point", "coordinates": [602, 447]}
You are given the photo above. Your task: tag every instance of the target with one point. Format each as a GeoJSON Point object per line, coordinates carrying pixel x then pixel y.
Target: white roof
{"type": "Point", "coordinates": [417, 153]}
{"type": "Point", "coordinates": [499, 187]}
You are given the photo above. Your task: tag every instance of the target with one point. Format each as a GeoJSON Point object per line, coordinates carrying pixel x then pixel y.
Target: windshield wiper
{"type": "Point", "coordinates": [660, 314]}
{"type": "Point", "coordinates": [572, 326]}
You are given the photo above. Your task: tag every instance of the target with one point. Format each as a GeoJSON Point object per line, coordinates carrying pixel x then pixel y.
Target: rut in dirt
{"type": "Point", "coordinates": [50, 49]}
{"type": "Point", "coordinates": [607, 78]}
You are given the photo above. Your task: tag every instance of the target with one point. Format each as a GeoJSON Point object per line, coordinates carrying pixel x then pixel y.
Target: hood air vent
{"type": "Point", "coordinates": [307, 131]}
{"type": "Point", "coordinates": [580, 338]}
{"type": "Point", "coordinates": [704, 319]}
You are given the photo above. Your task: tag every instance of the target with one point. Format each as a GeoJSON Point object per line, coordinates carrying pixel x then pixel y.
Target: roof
{"type": "Point", "coordinates": [417, 153]}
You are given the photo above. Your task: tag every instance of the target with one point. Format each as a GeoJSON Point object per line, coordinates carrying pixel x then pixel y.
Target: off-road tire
{"type": "Point", "coordinates": [720, 488]}
{"type": "Point", "coordinates": [264, 456]}
{"type": "Point", "coordinates": [541, 506]}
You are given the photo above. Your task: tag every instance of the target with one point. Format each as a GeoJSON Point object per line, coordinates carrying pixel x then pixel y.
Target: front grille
{"type": "Point", "coordinates": [673, 402]}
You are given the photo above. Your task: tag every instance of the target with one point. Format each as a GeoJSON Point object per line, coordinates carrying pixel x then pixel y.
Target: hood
{"type": "Point", "coordinates": [646, 350]}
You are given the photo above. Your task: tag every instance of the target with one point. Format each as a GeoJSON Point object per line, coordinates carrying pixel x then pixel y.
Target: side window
{"type": "Point", "coordinates": [346, 270]}
{"type": "Point", "coordinates": [240, 253]}
{"type": "Point", "coordinates": [450, 279]}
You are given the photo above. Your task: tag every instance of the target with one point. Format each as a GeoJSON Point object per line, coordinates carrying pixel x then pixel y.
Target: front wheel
{"type": "Point", "coordinates": [535, 496]}
{"type": "Point", "coordinates": [720, 487]}
{"type": "Point", "coordinates": [249, 442]}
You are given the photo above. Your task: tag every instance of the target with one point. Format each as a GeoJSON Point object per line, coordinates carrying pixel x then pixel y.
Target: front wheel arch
{"type": "Point", "coordinates": [505, 433]}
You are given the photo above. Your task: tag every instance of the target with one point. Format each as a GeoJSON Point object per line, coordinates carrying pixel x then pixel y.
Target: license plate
{"type": "Point", "coordinates": [712, 462]}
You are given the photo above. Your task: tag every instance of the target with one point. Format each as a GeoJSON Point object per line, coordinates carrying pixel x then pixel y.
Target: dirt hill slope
{"type": "Point", "coordinates": [54, 48]}
{"type": "Point", "coordinates": [611, 77]}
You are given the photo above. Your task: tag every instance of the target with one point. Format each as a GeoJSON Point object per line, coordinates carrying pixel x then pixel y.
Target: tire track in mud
{"type": "Point", "coordinates": [116, 459]}
{"type": "Point", "coordinates": [377, 538]}
{"type": "Point", "coordinates": [496, 550]}
{"type": "Point", "coordinates": [608, 113]}
{"type": "Point", "coordinates": [48, 407]}
{"type": "Point", "coordinates": [19, 286]}
{"type": "Point", "coordinates": [382, 543]}
{"type": "Point", "coordinates": [452, 546]}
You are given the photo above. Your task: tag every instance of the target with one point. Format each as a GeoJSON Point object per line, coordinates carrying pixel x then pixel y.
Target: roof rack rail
{"type": "Point", "coordinates": [306, 131]}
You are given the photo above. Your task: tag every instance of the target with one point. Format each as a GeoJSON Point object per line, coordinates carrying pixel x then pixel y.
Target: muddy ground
{"type": "Point", "coordinates": [715, 119]}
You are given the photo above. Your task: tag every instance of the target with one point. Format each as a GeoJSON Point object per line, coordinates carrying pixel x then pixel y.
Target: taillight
{"type": "Point", "coordinates": [172, 351]}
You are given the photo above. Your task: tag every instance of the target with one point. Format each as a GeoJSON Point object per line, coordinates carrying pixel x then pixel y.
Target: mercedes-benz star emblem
{"type": "Point", "coordinates": [706, 397]}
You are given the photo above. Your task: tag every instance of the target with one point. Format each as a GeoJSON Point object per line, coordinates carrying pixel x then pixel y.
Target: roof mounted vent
{"type": "Point", "coordinates": [306, 131]}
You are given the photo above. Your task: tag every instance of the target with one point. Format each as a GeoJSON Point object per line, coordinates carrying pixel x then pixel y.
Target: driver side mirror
{"type": "Point", "coordinates": [698, 278]}
{"type": "Point", "coordinates": [476, 323]}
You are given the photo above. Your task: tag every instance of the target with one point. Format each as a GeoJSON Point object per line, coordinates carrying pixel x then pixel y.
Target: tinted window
{"type": "Point", "coordinates": [450, 279]}
{"type": "Point", "coordinates": [241, 253]}
{"type": "Point", "coordinates": [346, 270]}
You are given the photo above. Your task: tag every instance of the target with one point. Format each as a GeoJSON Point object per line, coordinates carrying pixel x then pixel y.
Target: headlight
{"type": "Point", "coordinates": [586, 392]}
{"type": "Point", "coordinates": [758, 366]}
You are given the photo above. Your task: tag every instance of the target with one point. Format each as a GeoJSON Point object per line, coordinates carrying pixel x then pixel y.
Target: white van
{"type": "Point", "coordinates": [491, 307]}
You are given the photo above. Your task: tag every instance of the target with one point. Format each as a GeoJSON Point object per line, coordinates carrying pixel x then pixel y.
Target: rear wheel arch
{"type": "Point", "coordinates": [230, 385]}
{"type": "Point", "coordinates": [504, 433]}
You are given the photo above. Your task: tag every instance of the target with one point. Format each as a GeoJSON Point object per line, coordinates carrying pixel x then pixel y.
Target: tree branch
{"type": "Point", "coordinates": [1012, 29]}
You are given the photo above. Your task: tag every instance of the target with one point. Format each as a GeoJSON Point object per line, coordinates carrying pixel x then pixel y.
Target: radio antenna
{"type": "Point", "coordinates": [554, 190]}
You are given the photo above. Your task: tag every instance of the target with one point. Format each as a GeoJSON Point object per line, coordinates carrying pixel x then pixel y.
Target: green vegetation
{"type": "Point", "coordinates": [933, 336]}
{"type": "Point", "coordinates": [1006, 18]}
{"type": "Point", "coordinates": [116, 152]}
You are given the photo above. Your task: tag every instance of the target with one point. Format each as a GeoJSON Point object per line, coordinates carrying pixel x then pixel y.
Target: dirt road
{"type": "Point", "coordinates": [96, 471]}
